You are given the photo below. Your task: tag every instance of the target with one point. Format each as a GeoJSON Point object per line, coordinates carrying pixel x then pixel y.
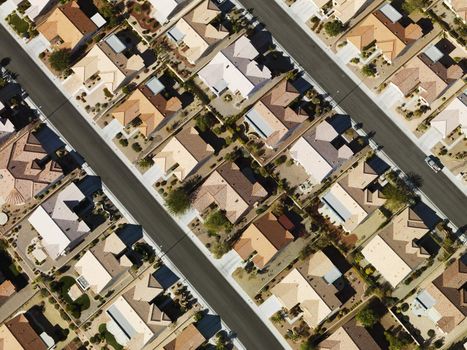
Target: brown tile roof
{"type": "Point", "coordinates": [453, 284]}
{"type": "Point", "coordinates": [74, 13]}
{"type": "Point", "coordinates": [416, 74]}
{"type": "Point", "coordinates": [25, 334]}
{"type": "Point", "coordinates": [349, 336]}
{"type": "Point", "coordinates": [230, 190]}
{"type": "Point", "coordinates": [189, 339]}
{"type": "Point", "coordinates": [194, 144]}
{"type": "Point", "coordinates": [401, 235]}
{"type": "Point", "coordinates": [446, 67]}
{"type": "Point", "coordinates": [7, 288]}
{"type": "Point", "coordinates": [277, 101]}
{"type": "Point", "coordinates": [356, 184]}
{"type": "Point", "coordinates": [407, 34]}
{"type": "Point", "coordinates": [25, 169]}
{"type": "Point", "coordinates": [372, 29]}
{"type": "Point", "coordinates": [266, 236]}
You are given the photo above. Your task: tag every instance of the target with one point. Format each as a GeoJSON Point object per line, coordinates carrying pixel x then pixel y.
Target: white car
{"type": "Point", "coordinates": [432, 164]}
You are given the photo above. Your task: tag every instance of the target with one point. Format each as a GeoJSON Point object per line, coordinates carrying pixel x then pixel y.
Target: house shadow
{"type": "Point", "coordinates": [209, 325]}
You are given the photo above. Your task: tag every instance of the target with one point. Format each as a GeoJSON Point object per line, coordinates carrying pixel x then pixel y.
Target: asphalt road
{"type": "Point", "coordinates": [145, 209]}
{"type": "Point", "coordinates": [437, 186]}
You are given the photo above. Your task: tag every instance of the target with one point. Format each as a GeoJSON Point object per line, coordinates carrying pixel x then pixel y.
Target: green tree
{"type": "Point", "coordinates": [334, 28]}
{"type": "Point", "coordinates": [367, 317]}
{"type": "Point", "coordinates": [397, 341]}
{"type": "Point", "coordinates": [410, 6]}
{"type": "Point", "coordinates": [178, 201]}
{"type": "Point", "coordinates": [217, 221]}
{"type": "Point", "coordinates": [60, 59]}
{"type": "Point", "coordinates": [369, 70]}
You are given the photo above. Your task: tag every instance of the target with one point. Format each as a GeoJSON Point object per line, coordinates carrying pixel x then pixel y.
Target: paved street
{"type": "Point", "coordinates": [164, 230]}
{"type": "Point", "coordinates": [444, 194]}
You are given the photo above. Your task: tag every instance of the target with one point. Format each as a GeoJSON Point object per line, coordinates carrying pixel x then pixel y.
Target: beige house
{"type": "Point", "coordinates": [352, 199]}
{"type": "Point", "coordinates": [263, 239]}
{"type": "Point", "coordinates": [371, 29]}
{"type": "Point", "coordinates": [350, 336]}
{"type": "Point", "coordinates": [415, 75]}
{"type": "Point", "coordinates": [230, 191]}
{"type": "Point", "coordinates": [194, 33]}
{"type": "Point", "coordinates": [151, 108]}
{"type": "Point", "coordinates": [295, 290]}
{"type": "Point", "coordinates": [67, 27]}
{"type": "Point", "coordinates": [395, 251]}
{"type": "Point", "coordinates": [183, 153]}
{"type": "Point", "coordinates": [114, 68]}
{"type": "Point", "coordinates": [24, 171]}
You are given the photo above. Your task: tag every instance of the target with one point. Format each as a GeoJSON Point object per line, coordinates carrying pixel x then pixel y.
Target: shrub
{"type": "Point", "coordinates": [367, 317]}
{"type": "Point", "coordinates": [178, 201]}
{"type": "Point", "coordinates": [334, 28]}
{"type": "Point", "coordinates": [217, 221]}
{"type": "Point", "coordinates": [60, 59]}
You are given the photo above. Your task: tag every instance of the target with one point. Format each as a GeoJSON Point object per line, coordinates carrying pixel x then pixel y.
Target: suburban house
{"type": "Point", "coordinates": [17, 334]}
{"type": "Point", "coordinates": [103, 264]}
{"type": "Point", "coordinates": [324, 149]}
{"type": "Point", "coordinates": [452, 117]}
{"type": "Point", "coordinates": [149, 105]}
{"type": "Point", "coordinates": [343, 10]}
{"type": "Point", "coordinates": [57, 223]}
{"type": "Point", "coordinates": [134, 319]}
{"type": "Point", "coordinates": [432, 71]}
{"type": "Point", "coordinates": [313, 288]}
{"type": "Point", "coordinates": [194, 34]}
{"type": "Point", "coordinates": [26, 169]}
{"type": "Point", "coordinates": [189, 338]}
{"type": "Point", "coordinates": [349, 201]}
{"type": "Point", "coordinates": [459, 7]}
{"type": "Point", "coordinates": [272, 118]}
{"type": "Point", "coordinates": [235, 69]}
{"type": "Point", "coordinates": [262, 240]}
{"type": "Point", "coordinates": [444, 300]}
{"type": "Point", "coordinates": [37, 8]}
{"type": "Point", "coordinates": [388, 29]}
{"type": "Point", "coordinates": [350, 336]}
{"type": "Point", "coordinates": [67, 27]}
{"type": "Point", "coordinates": [417, 76]}
{"type": "Point", "coordinates": [183, 154]}
{"type": "Point", "coordinates": [164, 10]}
{"type": "Point", "coordinates": [107, 60]}
{"type": "Point", "coordinates": [400, 247]}
{"type": "Point", "coordinates": [230, 190]}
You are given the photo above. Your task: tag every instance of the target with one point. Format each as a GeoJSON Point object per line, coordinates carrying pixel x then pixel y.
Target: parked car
{"type": "Point", "coordinates": [433, 163]}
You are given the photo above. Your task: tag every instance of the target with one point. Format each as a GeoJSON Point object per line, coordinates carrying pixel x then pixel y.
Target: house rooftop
{"type": "Point", "coordinates": [68, 23]}
{"type": "Point", "coordinates": [350, 336]}
{"type": "Point", "coordinates": [453, 283]}
{"type": "Point", "coordinates": [183, 153]}
{"type": "Point", "coordinates": [231, 190]}
{"type": "Point", "coordinates": [416, 74]}
{"type": "Point", "coordinates": [22, 331]}
{"type": "Point", "coordinates": [386, 261]}
{"type": "Point", "coordinates": [451, 117]}
{"type": "Point", "coordinates": [272, 118]}
{"type": "Point", "coordinates": [196, 32]}
{"type": "Point", "coordinates": [57, 223]}
{"type": "Point", "coordinates": [294, 290]}
{"type": "Point", "coordinates": [235, 68]}
{"type": "Point", "coordinates": [25, 169]}
{"type": "Point", "coordinates": [266, 236]}
{"type": "Point", "coordinates": [189, 339]}
{"type": "Point", "coordinates": [372, 29]}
